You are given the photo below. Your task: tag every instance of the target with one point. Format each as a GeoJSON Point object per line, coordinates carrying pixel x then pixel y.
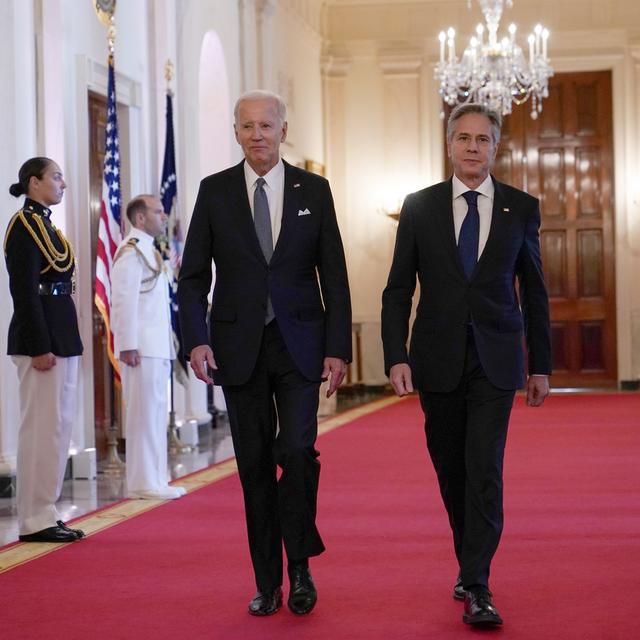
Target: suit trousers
{"type": "Point", "coordinates": [47, 411]}
{"type": "Point", "coordinates": [144, 390]}
{"type": "Point", "coordinates": [466, 432]}
{"type": "Point", "coordinates": [273, 419]}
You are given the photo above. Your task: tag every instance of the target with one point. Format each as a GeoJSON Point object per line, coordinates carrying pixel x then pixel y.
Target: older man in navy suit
{"type": "Point", "coordinates": [280, 323]}
{"type": "Point", "coordinates": [468, 240]}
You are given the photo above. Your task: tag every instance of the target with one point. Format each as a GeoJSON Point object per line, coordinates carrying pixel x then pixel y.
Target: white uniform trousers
{"type": "Point", "coordinates": [146, 418]}
{"type": "Point", "coordinates": [47, 411]}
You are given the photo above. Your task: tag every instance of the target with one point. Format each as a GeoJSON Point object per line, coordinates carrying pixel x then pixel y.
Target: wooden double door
{"type": "Point", "coordinates": [565, 158]}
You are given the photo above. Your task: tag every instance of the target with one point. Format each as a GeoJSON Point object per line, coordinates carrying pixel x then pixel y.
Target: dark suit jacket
{"type": "Point", "coordinates": [40, 323]}
{"type": "Point", "coordinates": [306, 277]}
{"type": "Point", "coordinates": [426, 246]}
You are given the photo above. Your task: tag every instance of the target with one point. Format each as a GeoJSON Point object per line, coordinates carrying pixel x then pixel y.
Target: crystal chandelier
{"type": "Point", "coordinates": [495, 72]}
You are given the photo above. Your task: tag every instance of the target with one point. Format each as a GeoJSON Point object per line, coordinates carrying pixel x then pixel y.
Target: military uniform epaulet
{"type": "Point", "coordinates": [60, 261]}
{"type": "Point", "coordinates": [131, 243]}
{"type": "Point", "coordinates": [25, 216]}
{"type": "Point", "coordinates": [9, 228]}
{"type": "Point", "coordinates": [8, 231]}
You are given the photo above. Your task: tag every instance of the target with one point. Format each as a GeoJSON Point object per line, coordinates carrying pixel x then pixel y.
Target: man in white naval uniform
{"type": "Point", "coordinates": [141, 325]}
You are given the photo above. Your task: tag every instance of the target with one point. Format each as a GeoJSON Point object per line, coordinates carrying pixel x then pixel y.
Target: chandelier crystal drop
{"type": "Point", "coordinates": [495, 72]}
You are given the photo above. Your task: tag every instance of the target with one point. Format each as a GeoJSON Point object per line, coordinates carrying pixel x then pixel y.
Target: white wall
{"type": "Point", "coordinates": [18, 135]}
{"type": "Point", "coordinates": [296, 76]}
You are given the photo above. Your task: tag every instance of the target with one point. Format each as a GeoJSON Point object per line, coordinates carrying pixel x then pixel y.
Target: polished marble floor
{"type": "Point", "coordinates": [83, 496]}
{"type": "Point", "coordinates": [214, 445]}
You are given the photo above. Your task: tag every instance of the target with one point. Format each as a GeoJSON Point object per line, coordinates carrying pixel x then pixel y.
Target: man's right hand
{"type": "Point", "coordinates": [131, 357]}
{"type": "Point", "coordinates": [200, 357]}
{"type": "Point", "coordinates": [400, 378]}
{"type": "Point", "coordinates": [43, 362]}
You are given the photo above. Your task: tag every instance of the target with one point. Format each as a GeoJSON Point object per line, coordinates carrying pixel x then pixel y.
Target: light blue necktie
{"type": "Point", "coordinates": [469, 234]}
{"type": "Point", "coordinates": [262, 221]}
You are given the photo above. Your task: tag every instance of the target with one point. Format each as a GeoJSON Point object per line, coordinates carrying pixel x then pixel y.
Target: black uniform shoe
{"type": "Point", "coordinates": [458, 589]}
{"type": "Point", "coordinates": [50, 534]}
{"type": "Point", "coordinates": [479, 609]}
{"type": "Point", "coordinates": [266, 603]}
{"type": "Point", "coordinates": [302, 594]}
{"type": "Point", "coordinates": [78, 532]}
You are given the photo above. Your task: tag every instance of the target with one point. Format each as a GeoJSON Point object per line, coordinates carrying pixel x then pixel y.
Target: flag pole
{"type": "Point", "coordinates": [112, 463]}
{"type": "Point", "coordinates": [176, 446]}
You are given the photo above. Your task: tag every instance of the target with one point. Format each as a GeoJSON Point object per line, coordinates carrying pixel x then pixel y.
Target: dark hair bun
{"type": "Point", "coordinates": [16, 189]}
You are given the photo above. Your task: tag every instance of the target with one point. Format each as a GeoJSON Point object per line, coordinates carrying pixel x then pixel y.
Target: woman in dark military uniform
{"type": "Point", "coordinates": [45, 346]}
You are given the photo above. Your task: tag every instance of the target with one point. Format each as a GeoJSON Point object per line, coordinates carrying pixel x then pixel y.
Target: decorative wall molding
{"type": "Point", "coordinates": [307, 12]}
{"type": "Point", "coordinates": [287, 89]}
{"type": "Point", "coordinates": [400, 61]}
{"type": "Point", "coordinates": [335, 66]}
{"type": "Point", "coordinates": [265, 9]}
{"type": "Point", "coordinates": [128, 91]}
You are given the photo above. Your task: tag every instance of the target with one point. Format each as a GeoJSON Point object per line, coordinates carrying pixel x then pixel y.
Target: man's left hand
{"type": "Point", "coordinates": [537, 390]}
{"type": "Point", "coordinates": [335, 370]}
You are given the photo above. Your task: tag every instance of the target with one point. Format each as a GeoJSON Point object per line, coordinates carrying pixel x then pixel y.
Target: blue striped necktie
{"type": "Point", "coordinates": [469, 234]}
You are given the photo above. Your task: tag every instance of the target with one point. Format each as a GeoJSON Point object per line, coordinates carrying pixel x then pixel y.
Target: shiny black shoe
{"type": "Point", "coordinates": [266, 603]}
{"type": "Point", "coordinates": [50, 534]}
{"type": "Point", "coordinates": [302, 594]}
{"type": "Point", "coordinates": [78, 532]}
{"type": "Point", "coordinates": [458, 589]}
{"type": "Point", "coordinates": [479, 609]}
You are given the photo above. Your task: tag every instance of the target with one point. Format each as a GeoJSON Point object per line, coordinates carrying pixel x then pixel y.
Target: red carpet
{"type": "Point", "coordinates": [566, 568]}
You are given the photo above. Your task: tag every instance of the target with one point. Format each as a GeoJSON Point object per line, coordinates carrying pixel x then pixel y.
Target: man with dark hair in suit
{"type": "Point", "coordinates": [280, 323]}
{"type": "Point", "coordinates": [468, 239]}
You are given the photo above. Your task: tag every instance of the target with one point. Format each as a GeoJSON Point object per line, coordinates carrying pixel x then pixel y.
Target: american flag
{"type": "Point", "coordinates": [109, 227]}
{"type": "Point", "coordinates": [172, 250]}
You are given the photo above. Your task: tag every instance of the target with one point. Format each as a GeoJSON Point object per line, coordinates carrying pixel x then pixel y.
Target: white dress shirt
{"type": "Point", "coordinates": [274, 188]}
{"type": "Point", "coordinates": [485, 208]}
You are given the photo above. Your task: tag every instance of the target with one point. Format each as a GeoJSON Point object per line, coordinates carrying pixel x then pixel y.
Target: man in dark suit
{"type": "Point", "coordinates": [280, 323]}
{"type": "Point", "coordinates": [468, 239]}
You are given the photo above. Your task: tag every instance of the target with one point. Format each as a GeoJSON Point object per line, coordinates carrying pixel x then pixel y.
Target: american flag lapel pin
{"type": "Point", "coordinates": [296, 185]}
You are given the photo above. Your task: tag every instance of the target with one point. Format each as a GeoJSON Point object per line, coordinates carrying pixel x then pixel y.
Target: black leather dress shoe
{"type": "Point", "coordinates": [302, 595]}
{"type": "Point", "coordinates": [458, 589]}
{"type": "Point", "coordinates": [77, 532]}
{"type": "Point", "coordinates": [479, 608]}
{"type": "Point", "coordinates": [266, 603]}
{"type": "Point", "coordinates": [50, 534]}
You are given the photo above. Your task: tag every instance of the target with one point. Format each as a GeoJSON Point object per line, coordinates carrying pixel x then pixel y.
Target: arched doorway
{"type": "Point", "coordinates": [214, 110]}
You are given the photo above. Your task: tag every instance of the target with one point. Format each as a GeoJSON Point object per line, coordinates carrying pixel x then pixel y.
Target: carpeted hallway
{"type": "Point", "coordinates": [565, 568]}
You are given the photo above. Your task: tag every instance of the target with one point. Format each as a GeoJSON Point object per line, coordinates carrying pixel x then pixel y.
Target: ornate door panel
{"type": "Point", "coordinates": [509, 166]}
{"type": "Point", "coordinates": [570, 167]}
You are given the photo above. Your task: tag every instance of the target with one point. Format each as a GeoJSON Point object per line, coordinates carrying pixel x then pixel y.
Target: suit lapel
{"type": "Point", "coordinates": [444, 215]}
{"type": "Point", "coordinates": [291, 199]}
{"type": "Point", "coordinates": [498, 217]}
{"type": "Point", "coordinates": [445, 209]}
{"type": "Point", "coordinates": [241, 211]}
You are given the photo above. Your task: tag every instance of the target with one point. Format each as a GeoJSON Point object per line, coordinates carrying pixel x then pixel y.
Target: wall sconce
{"type": "Point", "coordinates": [392, 190]}
{"type": "Point", "coordinates": [394, 214]}
{"type": "Point", "coordinates": [391, 206]}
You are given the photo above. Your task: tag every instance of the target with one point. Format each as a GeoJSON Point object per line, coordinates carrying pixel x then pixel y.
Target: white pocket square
{"type": "Point", "coordinates": [306, 212]}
